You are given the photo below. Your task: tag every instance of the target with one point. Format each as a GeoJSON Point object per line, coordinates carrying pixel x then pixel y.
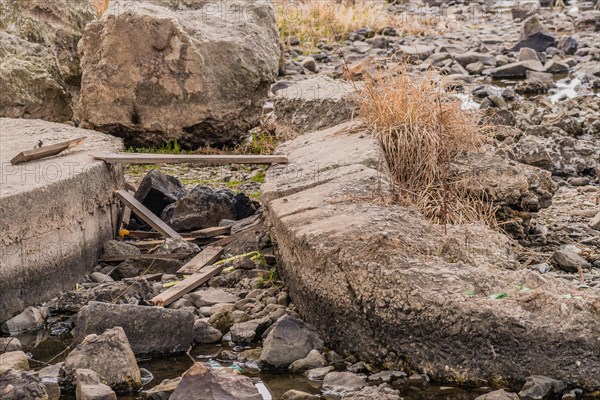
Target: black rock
{"type": "Point", "coordinates": [202, 207]}
{"type": "Point", "coordinates": [244, 207]}
{"type": "Point", "coordinates": [539, 41]}
{"type": "Point", "coordinates": [158, 190]}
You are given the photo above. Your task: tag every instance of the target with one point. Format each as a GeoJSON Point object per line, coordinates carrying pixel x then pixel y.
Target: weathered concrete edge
{"type": "Point", "coordinates": [345, 285]}
{"type": "Point", "coordinates": [52, 235]}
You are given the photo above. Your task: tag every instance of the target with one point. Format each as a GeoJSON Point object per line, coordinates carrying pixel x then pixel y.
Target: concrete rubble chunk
{"type": "Point", "coordinates": [163, 390]}
{"type": "Point", "coordinates": [340, 383]}
{"type": "Point", "coordinates": [569, 261]}
{"type": "Point", "coordinates": [31, 319]}
{"type": "Point", "coordinates": [539, 387]}
{"type": "Point", "coordinates": [89, 386]}
{"type": "Point", "coordinates": [110, 356]}
{"type": "Point", "coordinates": [55, 247]}
{"type": "Point", "coordinates": [316, 103]}
{"type": "Point", "coordinates": [498, 395]}
{"type": "Point", "coordinates": [324, 265]}
{"type": "Point", "coordinates": [205, 333]}
{"type": "Point", "coordinates": [313, 360]}
{"type": "Point", "coordinates": [9, 344]}
{"type": "Point", "coordinates": [289, 339]}
{"type": "Point", "coordinates": [152, 331]}
{"type": "Point", "coordinates": [202, 381]}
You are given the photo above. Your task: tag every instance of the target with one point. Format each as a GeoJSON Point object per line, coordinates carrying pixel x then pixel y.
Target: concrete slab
{"type": "Point", "coordinates": [378, 278]}
{"type": "Point", "coordinates": [54, 213]}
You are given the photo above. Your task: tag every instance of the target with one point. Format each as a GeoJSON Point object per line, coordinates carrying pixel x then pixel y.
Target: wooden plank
{"type": "Point", "coordinates": [46, 151]}
{"type": "Point", "coordinates": [199, 234]}
{"type": "Point", "coordinates": [174, 256]}
{"type": "Point", "coordinates": [142, 235]}
{"type": "Point", "coordinates": [143, 158]}
{"type": "Point", "coordinates": [225, 241]}
{"type": "Point", "coordinates": [147, 244]}
{"type": "Point", "coordinates": [152, 277]}
{"type": "Point", "coordinates": [207, 256]}
{"type": "Point", "coordinates": [209, 232]}
{"type": "Point", "coordinates": [124, 217]}
{"type": "Point", "coordinates": [186, 285]}
{"type": "Point", "coordinates": [147, 215]}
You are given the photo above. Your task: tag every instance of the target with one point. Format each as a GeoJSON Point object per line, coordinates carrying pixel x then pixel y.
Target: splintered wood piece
{"type": "Point", "coordinates": [199, 234]}
{"type": "Point", "coordinates": [228, 239]}
{"type": "Point", "coordinates": [186, 286]}
{"type": "Point", "coordinates": [46, 151]}
{"type": "Point", "coordinates": [143, 158]}
{"type": "Point", "coordinates": [174, 256]}
{"type": "Point", "coordinates": [209, 232]}
{"type": "Point", "coordinates": [207, 256]}
{"type": "Point", "coordinates": [148, 244]}
{"type": "Point", "coordinates": [147, 215]}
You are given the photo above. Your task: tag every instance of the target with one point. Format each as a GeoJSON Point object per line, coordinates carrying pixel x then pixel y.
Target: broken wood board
{"type": "Point", "coordinates": [209, 232]}
{"type": "Point", "coordinates": [174, 256]}
{"type": "Point", "coordinates": [199, 234]}
{"type": "Point", "coordinates": [152, 277]}
{"type": "Point", "coordinates": [147, 215]}
{"type": "Point", "coordinates": [226, 240]}
{"type": "Point", "coordinates": [148, 244]}
{"type": "Point", "coordinates": [207, 256]}
{"type": "Point", "coordinates": [46, 151]}
{"type": "Point", "coordinates": [144, 158]}
{"type": "Point", "coordinates": [185, 286]}
{"type": "Point", "coordinates": [124, 217]}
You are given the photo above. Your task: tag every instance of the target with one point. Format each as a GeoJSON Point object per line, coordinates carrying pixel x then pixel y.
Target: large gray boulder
{"type": "Point", "coordinates": [110, 356]}
{"type": "Point", "coordinates": [40, 66]}
{"type": "Point", "coordinates": [195, 71]}
{"type": "Point", "coordinates": [150, 330]}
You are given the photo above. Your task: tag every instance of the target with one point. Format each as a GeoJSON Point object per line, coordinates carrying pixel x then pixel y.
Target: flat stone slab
{"type": "Point", "coordinates": [380, 279]}
{"type": "Point", "coordinates": [54, 212]}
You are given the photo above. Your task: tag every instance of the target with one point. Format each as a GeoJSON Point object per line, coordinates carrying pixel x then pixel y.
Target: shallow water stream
{"type": "Point", "coordinates": [44, 348]}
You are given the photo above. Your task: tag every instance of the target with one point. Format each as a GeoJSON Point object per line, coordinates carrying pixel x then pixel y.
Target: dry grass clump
{"type": "Point", "coordinates": [329, 21]}
{"type": "Point", "coordinates": [423, 129]}
{"type": "Point", "coordinates": [314, 21]}
{"type": "Point", "coordinates": [100, 6]}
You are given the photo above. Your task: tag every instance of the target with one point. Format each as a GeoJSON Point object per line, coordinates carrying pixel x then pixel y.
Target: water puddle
{"type": "Point", "coordinates": [271, 385]}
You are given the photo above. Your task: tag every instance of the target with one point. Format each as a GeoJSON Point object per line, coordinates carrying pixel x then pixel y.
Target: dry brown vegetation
{"type": "Point", "coordinates": [423, 129]}
{"type": "Point", "coordinates": [100, 6]}
{"type": "Point", "coordinates": [328, 21]}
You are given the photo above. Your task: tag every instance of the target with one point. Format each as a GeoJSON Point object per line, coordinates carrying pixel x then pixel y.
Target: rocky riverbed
{"type": "Point", "coordinates": [534, 75]}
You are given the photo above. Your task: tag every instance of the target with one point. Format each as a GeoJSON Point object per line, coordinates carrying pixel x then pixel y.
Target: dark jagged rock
{"type": "Point", "coordinates": [157, 191]}
{"type": "Point", "coordinates": [204, 207]}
